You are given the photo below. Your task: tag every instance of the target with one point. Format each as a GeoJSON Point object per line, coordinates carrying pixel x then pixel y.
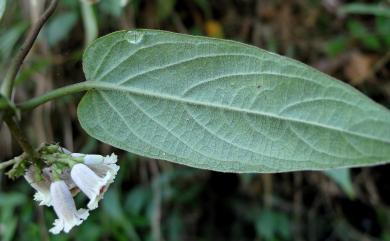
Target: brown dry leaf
{"type": "Point", "coordinates": [359, 68]}
{"type": "Point", "coordinates": [213, 29]}
{"type": "Point", "coordinates": [266, 10]}
{"type": "Point", "coordinates": [311, 17]}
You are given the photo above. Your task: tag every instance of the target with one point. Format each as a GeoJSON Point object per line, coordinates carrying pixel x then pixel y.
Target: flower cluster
{"type": "Point", "coordinates": [58, 183]}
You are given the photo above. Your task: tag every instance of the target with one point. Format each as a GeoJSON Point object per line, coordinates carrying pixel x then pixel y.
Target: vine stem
{"type": "Point", "coordinates": [20, 137]}
{"type": "Point", "coordinates": [8, 83]}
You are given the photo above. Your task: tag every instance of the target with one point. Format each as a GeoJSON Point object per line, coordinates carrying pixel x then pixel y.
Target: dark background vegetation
{"type": "Point", "coordinates": [158, 200]}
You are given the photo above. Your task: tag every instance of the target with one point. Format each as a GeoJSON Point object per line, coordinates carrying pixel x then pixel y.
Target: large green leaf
{"type": "Point", "coordinates": [225, 106]}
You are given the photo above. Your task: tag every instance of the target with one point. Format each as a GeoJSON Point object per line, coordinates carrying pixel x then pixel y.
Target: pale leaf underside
{"type": "Point", "coordinates": [226, 106]}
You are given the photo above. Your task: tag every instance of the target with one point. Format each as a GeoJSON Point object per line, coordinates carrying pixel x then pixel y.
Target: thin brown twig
{"type": "Point", "coordinates": [42, 225]}
{"type": "Point", "coordinates": [17, 62]}
{"type": "Point", "coordinates": [1, 119]}
{"type": "Point", "coordinates": [20, 137]}
{"type": "Point", "coordinates": [380, 63]}
{"type": "Point", "coordinates": [297, 203]}
{"type": "Point", "coordinates": [8, 83]}
{"type": "Point", "coordinates": [156, 219]}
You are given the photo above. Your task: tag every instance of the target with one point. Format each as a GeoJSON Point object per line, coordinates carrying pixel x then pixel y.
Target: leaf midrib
{"type": "Point", "coordinates": [97, 85]}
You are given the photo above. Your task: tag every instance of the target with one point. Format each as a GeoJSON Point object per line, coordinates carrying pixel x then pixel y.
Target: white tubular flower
{"type": "Point", "coordinates": [65, 176]}
{"type": "Point", "coordinates": [90, 183]}
{"type": "Point", "coordinates": [100, 164]}
{"type": "Point", "coordinates": [41, 186]}
{"type": "Point", "coordinates": [65, 208]}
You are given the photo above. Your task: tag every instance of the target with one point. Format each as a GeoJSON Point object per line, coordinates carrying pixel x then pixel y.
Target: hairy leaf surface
{"type": "Point", "coordinates": [225, 106]}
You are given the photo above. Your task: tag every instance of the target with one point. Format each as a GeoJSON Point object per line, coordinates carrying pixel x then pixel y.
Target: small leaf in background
{"type": "Point", "coordinates": [72, 4]}
{"type": "Point", "coordinates": [138, 199]}
{"type": "Point", "coordinates": [39, 64]}
{"type": "Point", "coordinates": [90, 1]}
{"type": "Point", "coordinates": [59, 27]}
{"type": "Point", "coordinates": [372, 42]}
{"type": "Point", "coordinates": [384, 217]}
{"type": "Point", "coordinates": [113, 209]}
{"type": "Point", "coordinates": [360, 32]}
{"type": "Point", "coordinates": [213, 29]}
{"type": "Point", "coordinates": [12, 199]}
{"type": "Point", "coordinates": [8, 221]}
{"type": "Point", "coordinates": [3, 5]}
{"type": "Point", "coordinates": [3, 102]}
{"type": "Point", "coordinates": [9, 38]}
{"type": "Point", "coordinates": [111, 7]}
{"type": "Point", "coordinates": [273, 225]}
{"type": "Point", "coordinates": [382, 26]}
{"type": "Point", "coordinates": [363, 8]}
{"type": "Point", "coordinates": [112, 206]}
{"type": "Point", "coordinates": [175, 227]}
{"type": "Point", "coordinates": [357, 29]}
{"type": "Point", "coordinates": [342, 177]}
{"type": "Point", "coordinates": [91, 232]}
{"type": "Point", "coordinates": [165, 8]}
{"type": "Point", "coordinates": [336, 46]}
{"type": "Point", "coordinates": [8, 228]}
{"type": "Point", "coordinates": [205, 6]}
{"type": "Point", "coordinates": [225, 106]}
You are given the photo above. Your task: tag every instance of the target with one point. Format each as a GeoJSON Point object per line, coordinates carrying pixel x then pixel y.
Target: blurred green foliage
{"type": "Point", "coordinates": [59, 27]}
{"type": "Point", "coordinates": [3, 5]}
{"type": "Point", "coordinates": [373, 38]}
{"type": "Point", "coordinates": [366, 8]}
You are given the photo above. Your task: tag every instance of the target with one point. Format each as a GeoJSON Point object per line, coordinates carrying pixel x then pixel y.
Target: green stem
{"type": "Point", "coordinates": [6, 164]}
{"type": "Point", "coordinates": [54, 94]}
{"type": "Point", "coordinates": [67, 90]}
